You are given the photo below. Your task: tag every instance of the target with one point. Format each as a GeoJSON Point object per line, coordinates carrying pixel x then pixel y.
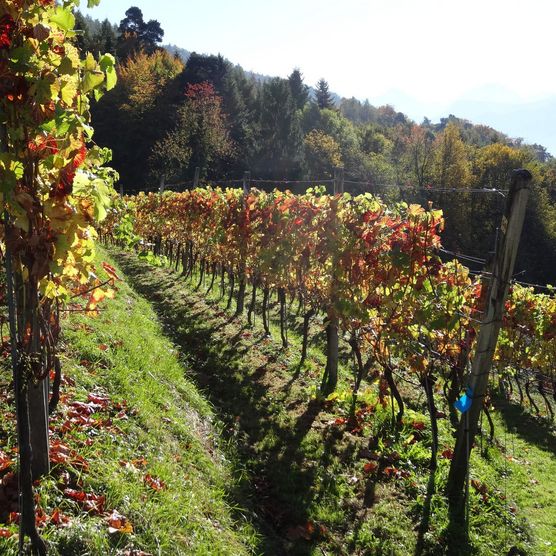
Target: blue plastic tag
{"type": "Point", "coordinates": [464, 403]}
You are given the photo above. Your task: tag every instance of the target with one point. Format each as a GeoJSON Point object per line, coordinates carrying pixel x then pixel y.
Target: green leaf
{"type": "Point", "coordinates": [92, 80]}
{"type": "Point", "coordinates": [63, 18]}
{"type": "Point", "coordinates": [111, 78]}
{"type": "Point", "coordinates": [20, 56]}
{"type": "Point", "coordinates": [90, 64]}
{"type": "Point", "coordinates": [66, 66]}
{"type": "Point", "coordinates": [92, 3]}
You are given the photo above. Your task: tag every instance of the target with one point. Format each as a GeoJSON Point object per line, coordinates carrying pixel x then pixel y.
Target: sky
{"type": "Point", "coordinates": [491, 58]}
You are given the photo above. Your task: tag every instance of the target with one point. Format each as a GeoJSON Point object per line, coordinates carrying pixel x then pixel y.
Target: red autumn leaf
{"type": "Point", "coordinates": [5, 461]}
{"type": "Point", "coordinates": [77, 495]}
{"type": "Point", "coordinates": [5, 533]}
{"type": "Point", "coordinates": [40, 517]}
{"type": "Point", "coordinates": [370, 467]}
{"type": "Point", "coordinates": [90, 502]}
{"type": "Point", "coordinates": [99, 400]}
{"type": "Point", "coordinates": [103, 347]}
{"type": "Point", "coordinates": [79, 158]}
{"type": "Point", "coordinates": [154, 483]}
{"type": "Point", "coordinates": [117, 523]}
{"type": "Point", "coordinates": [111, 271]}
{"type": "Point", "coordinates": [418, 425]}
{"type": "Point", "coordinates": [7, 26]}
{"type": "Point", "coordinates": [447, 454]}
{"type": "Point", "coordinates": [58, 518]}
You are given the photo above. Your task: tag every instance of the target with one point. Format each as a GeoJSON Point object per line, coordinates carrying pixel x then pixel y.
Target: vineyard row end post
{"type": "Point", "coordinates": [501, 274]}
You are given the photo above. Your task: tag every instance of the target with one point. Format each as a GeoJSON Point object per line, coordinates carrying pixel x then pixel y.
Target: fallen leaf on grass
{"type": "Point", "coordinates": [90, 502]}
{"type": "Point", "coordinates": [5, 533]}
{"type": "Point", "coordinates": [117, 523]}
{"type": "Point", "coordinates": [60, 453]}
{"type": "Point", "coordinates": [154, 483]}
{"type": "Point", "coordinates": [370, 467]}
{"type": "Point", "coordinates": [59, 519]}
{"type": "Point", "coordinates": [5, 461]}
{"type": "Point", "coordinates": [447, 454]}
{"type": "Point", "coordinates": [98, 400]}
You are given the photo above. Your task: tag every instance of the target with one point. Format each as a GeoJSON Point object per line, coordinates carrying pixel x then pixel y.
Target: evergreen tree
{"type": "Point", "coordinates": [299, 91]}
{"type": "Point", "coordinates": [83, 34]}
{"type": "Point", "coordinates": [280, 154]}
{"type": "Point", "coordinates": [138, 35]}
{"type": "Point", "coordinates": [323, 96]}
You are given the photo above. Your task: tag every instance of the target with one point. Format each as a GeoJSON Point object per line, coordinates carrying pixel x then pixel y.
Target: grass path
{"type": "Point", "coordinates": [244, 458]}
{"type": "Point", "coordinates": [154, 452]}
{"type": "Point", "coordinates": [305, 474]}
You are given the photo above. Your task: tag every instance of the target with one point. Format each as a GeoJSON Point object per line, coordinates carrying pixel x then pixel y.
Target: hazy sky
{"type": "Point", "coordinates": [434, 52]}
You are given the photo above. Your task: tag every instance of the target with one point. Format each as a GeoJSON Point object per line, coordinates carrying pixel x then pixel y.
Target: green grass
{"type": "Point", "coordinates": [305, 475]}
{"type": "Point", "coordinates": [253, 462]}
{"type": "Point", "coordinates": [123, 354]}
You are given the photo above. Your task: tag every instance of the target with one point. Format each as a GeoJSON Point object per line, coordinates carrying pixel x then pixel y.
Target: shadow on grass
{"type": "Point", "coordinates": [425, 519]}
{"type": "Point", "coordinates": [534, 430]}
{"type": "Point", "coordinates": [271, 442]}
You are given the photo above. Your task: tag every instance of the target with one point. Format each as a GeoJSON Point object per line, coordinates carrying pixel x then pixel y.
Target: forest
{"type": "Point", "coordinates": [168, 116]}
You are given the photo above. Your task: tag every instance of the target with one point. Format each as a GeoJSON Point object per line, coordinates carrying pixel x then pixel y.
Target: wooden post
{"type": "Point", "coordinates": [330, 379]}
{"type": "Point", "coordinates": [243, 253]}
{"type": "Point", "coordinates": [162, 184]}
{"type": "Point", "coordinates": [196, 177]}
{"type": "Point", "coordinates": [37, 395]}
{"type": "Point", "coordinates": [246, 182]}
{"type": "Point", "coordinates": [338, 180]}
{"type": "Point", "coordinates": [501, 274]}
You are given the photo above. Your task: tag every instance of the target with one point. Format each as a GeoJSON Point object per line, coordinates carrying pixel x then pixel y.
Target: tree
{"type": "Point", "coordinates": [281, 139]}
{"type": "Point", "coordinates": [137, 113]}
{"type": "Point", "coordinates": [451, 167]}
{"type": "Point", "coordinates": [323, 96]}
{"type": "Point", "coordinates": [419, 152]}
{"type": "Point", "coordinates": [494, 164]}
{"type": "Point", "coordinates": [199, 138]}
{"type": "Point", "coordinates": [83, 34]}
{"type": "Point", "coordinates": [106, 39]}
{"type": "Point", "coordinates": [322, 154]}
{"type": "Point", "coordinates": [299, 91]}
{"type": "Point", "coordinates": [239, 103]}
{"type": "Point", "coordinates": [138, 35]}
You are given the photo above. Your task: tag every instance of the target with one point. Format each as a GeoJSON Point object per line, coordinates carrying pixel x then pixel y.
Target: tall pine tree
{"type": "Point", "coordinates": [323, 96]}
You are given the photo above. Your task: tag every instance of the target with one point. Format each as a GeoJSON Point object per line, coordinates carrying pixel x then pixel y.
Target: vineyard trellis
{"type": "Point", "coordinates": [376, 268]}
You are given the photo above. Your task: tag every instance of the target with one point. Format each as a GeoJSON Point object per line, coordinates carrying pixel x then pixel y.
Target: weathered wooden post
{"type": "Point", "coordinates": [243, 251]}
{"type": "Point", "coordinates": [330, 379]}
{"type": "Point", "coordinates": [162, 183]}
{"type": "Point", "coordinates": [501, 274]}
{"type": "Point", "coordinates": [196, 177]}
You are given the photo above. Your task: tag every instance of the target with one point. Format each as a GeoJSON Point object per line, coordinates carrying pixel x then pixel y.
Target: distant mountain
{"type": "Point", "coordinates": [492, 105]}
{"type": "Point", "coordinates": [181, 52]}
{"type": "Point", "coordinates": [535, 122]}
